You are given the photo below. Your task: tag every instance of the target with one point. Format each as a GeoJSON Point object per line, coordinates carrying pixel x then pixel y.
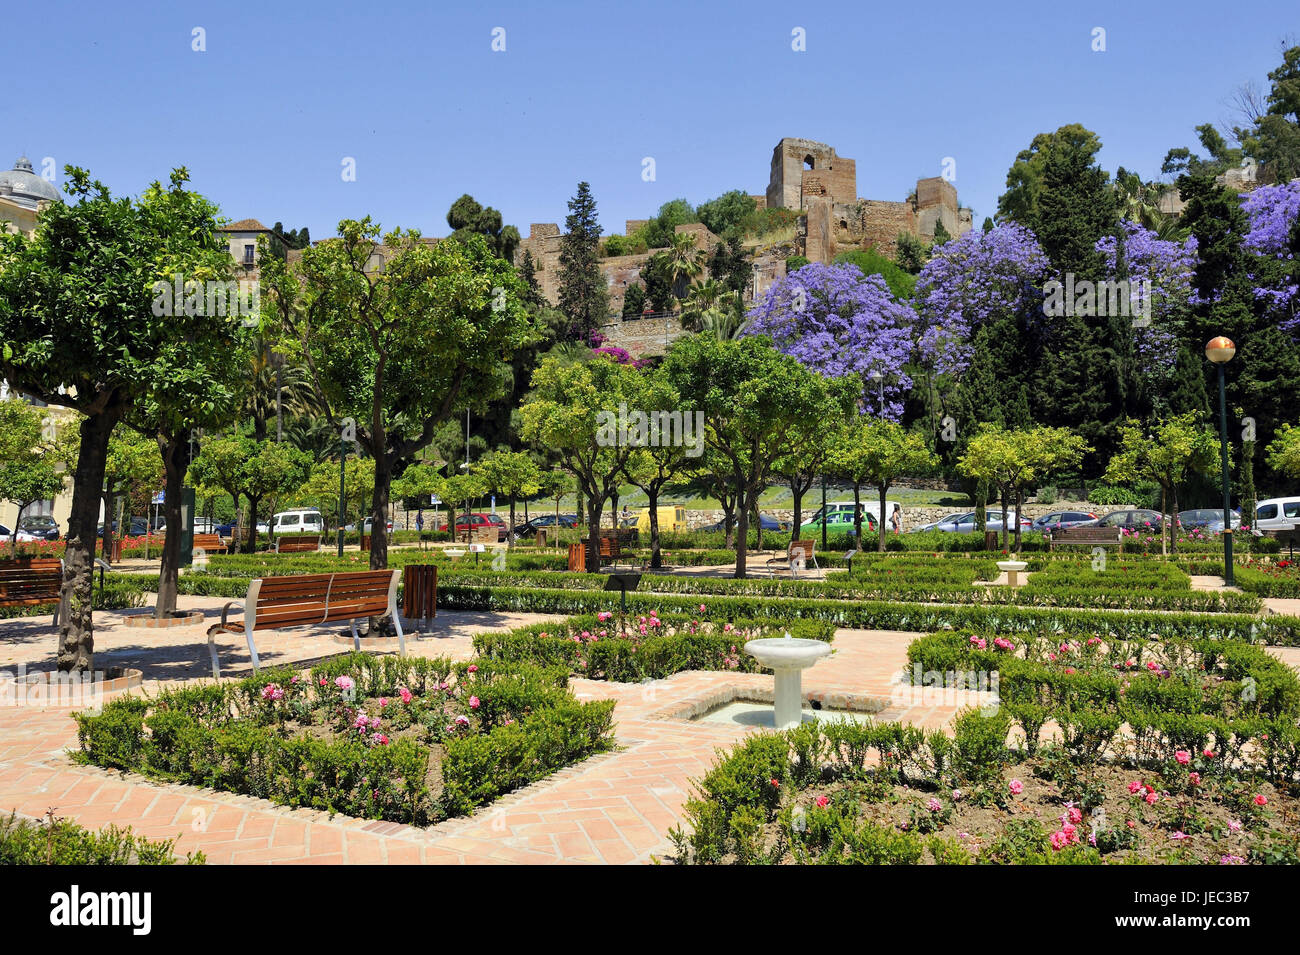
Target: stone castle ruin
{"type": "Point", "coordinates": [805, 176]}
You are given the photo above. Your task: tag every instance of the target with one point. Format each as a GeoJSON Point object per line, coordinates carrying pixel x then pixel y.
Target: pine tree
{"type": "Point", "coordinates": [584, 296]}
{"type": "Point", "coordinates": [634, 300]}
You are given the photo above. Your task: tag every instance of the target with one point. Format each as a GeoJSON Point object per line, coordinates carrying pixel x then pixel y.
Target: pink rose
{"type": "Point", "coordinates": [1016, 787]}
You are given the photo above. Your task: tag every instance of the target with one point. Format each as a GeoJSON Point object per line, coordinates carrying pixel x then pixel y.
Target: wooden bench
{"type": "Point", "coordinates": [1099, 536]}
{"type": "Point", "coordinates": [209, 544]}
{"type": "Point", "coordinates": [420, 591]}
{"type": "Point", "coordinates": [297, 545]}
{"type": "Point", "coordinates": [798, 548]}
{"type": "Point", "coordinates": [31, 581]}
{"type": "Point", "coordinates": [310, 600]}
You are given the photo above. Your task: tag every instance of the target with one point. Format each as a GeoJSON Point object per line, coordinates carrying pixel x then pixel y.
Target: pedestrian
{"type": "Point", "coordinates": [419, 519]}
{"type": "Point", "coordinates": [896, 519]}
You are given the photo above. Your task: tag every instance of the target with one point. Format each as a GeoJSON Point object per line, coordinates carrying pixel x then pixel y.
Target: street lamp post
{"type": "Point", "coordinates": [1220, 351]}
{"type": "Point", "coordinates": [343, 459]}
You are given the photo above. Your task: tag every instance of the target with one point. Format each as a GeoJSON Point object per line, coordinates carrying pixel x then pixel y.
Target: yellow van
{"type": "Point", "coordinates": [671, 518]}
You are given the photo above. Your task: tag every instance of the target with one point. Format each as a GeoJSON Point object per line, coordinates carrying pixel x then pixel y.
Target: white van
{"type": "Point", "coordinates": [305, 521]}
{"type": "Point", "coordinates": [1277, 514]}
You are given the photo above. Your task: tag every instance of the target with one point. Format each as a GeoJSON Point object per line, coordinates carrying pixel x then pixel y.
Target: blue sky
{"type": "Point", "coordinates": [415, 94]}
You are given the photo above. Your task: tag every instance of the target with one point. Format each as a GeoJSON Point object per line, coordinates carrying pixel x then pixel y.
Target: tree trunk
{"type": "Point", "coordinates": [857, 514]}
{"type": "Point", "coordinates": [1020, 496]}
{"type": "Point", "coordinates": [652, 493]}
{"type": "Point", "coordinates": [797, 492]}
{"type": "Point", "coordinates": [76, 626]}
{"type": "Point", "coordinates": [379, 513]}
{"type": "Point", "coordinates": [107, 544]}
{"type": "Point", "coordinates": [253, 503]}
{"type": "Point", "coordinates": [1173, 519]}
{"type": "Point", "coordinates": [594, 502]}
{"type": "Point", "coordinates": [758, 524]}
{"type": "Point", "coordinates": [1003, 493]}
{"type": "Point", "coordinates": [742, 532]}
{"type": "Point", "coordinates": [880, 525]}
{"type": "Point", "coordinates": [175, 450]}
{"type": "Point", "coordinates": [510, 531]}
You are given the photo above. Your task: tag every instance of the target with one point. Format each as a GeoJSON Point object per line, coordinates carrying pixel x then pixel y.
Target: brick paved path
{"type": "Point", "coordinates": [614, 808]}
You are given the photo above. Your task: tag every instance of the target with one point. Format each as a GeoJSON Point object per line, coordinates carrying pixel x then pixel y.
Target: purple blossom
{"type": "Point", "coordinates": [1168, 267]}
{"type": "Point", "coordinates": [838, 322]}
{"type": "Point", "coordinates": [1273, 212]}
{"type": "Point", "coordinates": [970, 282]}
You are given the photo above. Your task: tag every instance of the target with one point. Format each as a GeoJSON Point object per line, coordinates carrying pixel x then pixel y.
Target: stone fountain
{"type": "Point", "coordinates": [788, 657]}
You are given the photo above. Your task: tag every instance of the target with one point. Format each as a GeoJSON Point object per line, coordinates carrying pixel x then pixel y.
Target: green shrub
{"type": "Point", "coordinates": [61, 842]}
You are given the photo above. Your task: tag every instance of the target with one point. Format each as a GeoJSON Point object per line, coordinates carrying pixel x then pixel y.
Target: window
{"type": "Point", "coordinates": [1291, 509]}
{"type": "Point", "coordinates": [1266, 511]}
{"type": "Point", "coordinates": [250, 254]}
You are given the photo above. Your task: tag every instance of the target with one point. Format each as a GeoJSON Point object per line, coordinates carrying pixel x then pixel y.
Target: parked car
{"type": "Point", "coordinates": [965, 523]}
{"type": "Point", "coordinates": [136, 527]}
{"type": "Point", "coordinates": [1277, 514]}
{"type": "Point", "coordinates": [301, 521]}
{"type": "Point", "coordinates": [768, 524]}
{"type": "Point", "coordinates": [1131, 519]}
{"type": "Point", "coordinates": [5, 533]}
{"type": "Point", "coordinates": [671, 519]}
{"type": "Point", "coordinates": [837, 522]}
{"type": "Point", "coordinates": [1058, 520]}
{"type": "Point", "coordinates": [1207, 519]}
{"type": "Point", "coordinates": [477, 522]}
{"type": "Point", "coordinates": [38, 527]}
{"type": "Point", "coordinates": [544, 521]}
{"type": "Point", "coordinates": [367, 525]}
{"type": "Point", "coordinates": [870, 508]}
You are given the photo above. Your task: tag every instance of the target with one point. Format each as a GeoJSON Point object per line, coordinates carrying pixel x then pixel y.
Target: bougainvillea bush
{"type": "Point", "coordinates": [1096, 752]}
{"type": "Point", "coordinates": [404, 740]}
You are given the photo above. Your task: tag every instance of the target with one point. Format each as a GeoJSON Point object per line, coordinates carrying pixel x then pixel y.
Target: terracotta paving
{"type": "Point", "coordinates": [614, 808]}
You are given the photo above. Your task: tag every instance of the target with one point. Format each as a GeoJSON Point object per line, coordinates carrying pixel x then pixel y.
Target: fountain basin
{"type": "Point", "coordinates": [787, 658]}
{"type": "Point", "coordinates": [1013, 569]}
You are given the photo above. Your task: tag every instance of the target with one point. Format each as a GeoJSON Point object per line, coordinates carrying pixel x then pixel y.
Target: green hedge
{"type": "Point", "coordinates": [678, 643]}
{"type": "Point", "coordinates": [61, 842]}
{"type": "Point", "coordinates": [1274, 629]}
{"type": "Point", "coordinates": [228, 736]}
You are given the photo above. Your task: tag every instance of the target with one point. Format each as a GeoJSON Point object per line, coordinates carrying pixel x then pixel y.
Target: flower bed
{"type": "Point", "coordinates": [404, 740]}
{"type": "Point", "coordinates": [1181, 751]}
{"type": "Point", "coordinates": [843, 793]}
{"type": "Point", "coordinates": [881, 615]}
{"type": "Point", "coordinates": [646, 647]}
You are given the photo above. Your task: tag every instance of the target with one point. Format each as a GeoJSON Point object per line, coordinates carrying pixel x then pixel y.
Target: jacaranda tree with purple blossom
{"type": "Point", "coordinates": [838, 322]}
{"type": "Point", "coordinates": [1159, 273]}
{"type": "Point", "coordinates": [972, 282]}
{"type": "Point", "coordinates": [1274, 235]}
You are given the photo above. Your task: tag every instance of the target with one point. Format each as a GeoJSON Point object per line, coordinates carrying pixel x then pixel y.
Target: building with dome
{"type": "Point", "coordinates": [22, 192]}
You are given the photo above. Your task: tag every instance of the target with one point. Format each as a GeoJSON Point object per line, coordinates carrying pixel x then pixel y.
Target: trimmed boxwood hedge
{"type": "Point", "coordinates": [222, 736]}
{"type": "Point", "coordinates": [1274, 629]}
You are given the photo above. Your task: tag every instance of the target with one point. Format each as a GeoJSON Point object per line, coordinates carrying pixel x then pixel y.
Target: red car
{"type": "Point", "coordinates": [478, 522]}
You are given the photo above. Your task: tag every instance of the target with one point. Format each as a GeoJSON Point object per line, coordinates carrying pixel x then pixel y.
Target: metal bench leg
{"type": "Point", "coordinates": [252, 651]}
{"type": "Point", "coordinates": [356, 637]}
{"type": "Point", "coordinates": [212, 651]}
{"type": "Point", "coordinates": [401, 637]}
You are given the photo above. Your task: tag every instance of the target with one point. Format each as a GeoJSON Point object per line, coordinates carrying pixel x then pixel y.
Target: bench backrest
{"type": "Point", "coordinates": [307, 599]}
{"type": "Point", "coordinates": [209, 542]}
{"type": "Point", "coordinates": [609, 547]}
{"type": "Point", "coordinates": [1087, 533]}
{"type": "Point", "coordinates": [293, 545]}
{"type": "Point", "coordinates": [805, 546]}
{"type": "Point", "coordinates": [30, 579]}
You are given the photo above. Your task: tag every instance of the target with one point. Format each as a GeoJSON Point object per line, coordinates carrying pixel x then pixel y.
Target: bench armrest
{"type": "Point", "coordinates": [226, 610]}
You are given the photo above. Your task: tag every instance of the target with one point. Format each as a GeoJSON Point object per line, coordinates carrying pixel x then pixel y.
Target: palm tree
{"type": "Point", "coordinates": [685, 261]}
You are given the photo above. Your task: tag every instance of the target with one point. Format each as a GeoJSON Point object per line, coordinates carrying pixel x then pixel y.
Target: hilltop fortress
{"type": "Point", "coordinates": [805, 176]}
